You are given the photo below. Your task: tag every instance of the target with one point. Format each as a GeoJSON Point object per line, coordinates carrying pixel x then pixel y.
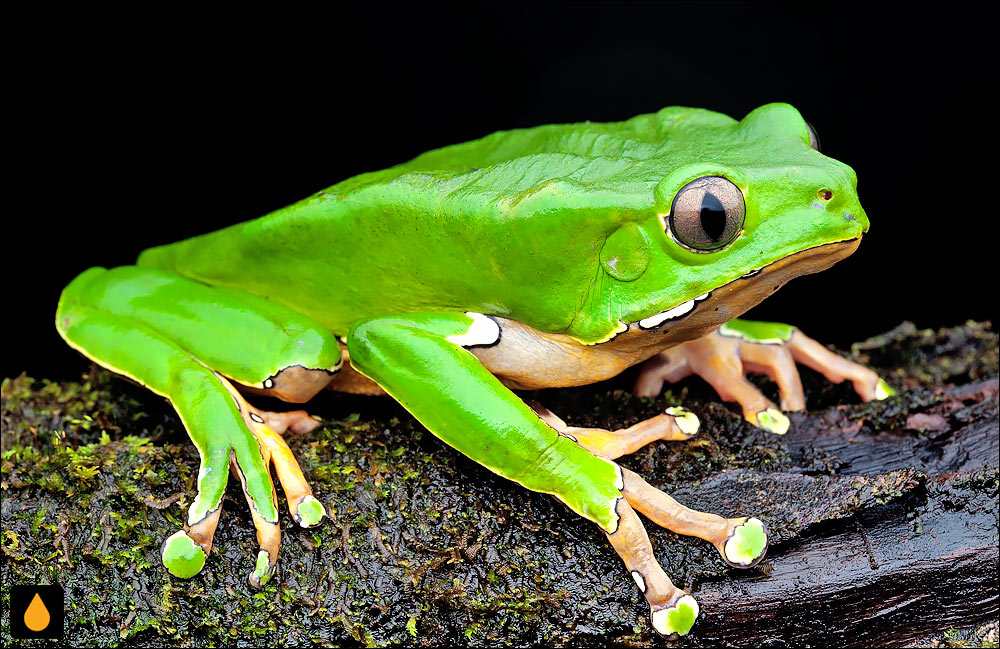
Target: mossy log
{"type": "Point", "coordinates": [884, 519]}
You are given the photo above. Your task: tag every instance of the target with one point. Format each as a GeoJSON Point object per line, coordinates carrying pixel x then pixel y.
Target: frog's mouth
{"type": "Point", "coordinates": [702, 314]}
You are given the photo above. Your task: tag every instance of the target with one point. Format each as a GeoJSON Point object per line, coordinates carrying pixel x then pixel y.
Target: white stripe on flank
{"type": "Point", "coordinates": [670, 314]}
{"type": "Point", "coordinates": [483, 331]}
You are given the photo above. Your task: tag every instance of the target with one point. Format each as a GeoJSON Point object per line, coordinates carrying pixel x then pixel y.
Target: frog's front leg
{"type": "Point", "coordinates": [422, 360]}
{"type": "Point", "coordinates": [190, 343]}
{"type": "Point", "coordinates": [724, 356]}
{"type": "Point", "coordinates": [676, 424]}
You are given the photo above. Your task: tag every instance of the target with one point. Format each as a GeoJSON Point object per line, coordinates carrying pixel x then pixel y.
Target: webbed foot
{"type": "Point", "coordinates": [724, 356]}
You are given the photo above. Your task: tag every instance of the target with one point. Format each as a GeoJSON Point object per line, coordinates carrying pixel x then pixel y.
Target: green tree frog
{"type": "Point", "coordinates": [532, 258]}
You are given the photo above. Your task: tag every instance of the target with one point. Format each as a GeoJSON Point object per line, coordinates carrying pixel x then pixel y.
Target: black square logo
{"type": "Point", "coordinates": [36, 612]}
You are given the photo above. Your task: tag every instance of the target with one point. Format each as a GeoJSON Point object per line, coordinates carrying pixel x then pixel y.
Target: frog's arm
{"type": "Point", "coordinates": [186, 342]}
{"type": "Point", "coordinates": [422, 360]}
{"type": "Point", "coordinates": [771, 348]}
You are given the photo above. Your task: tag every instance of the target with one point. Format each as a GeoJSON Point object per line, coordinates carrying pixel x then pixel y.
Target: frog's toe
{"type": "Point", "coordinates": [835, 368]}
{"type": "Point", "coordinates": [883, 390]}
{"type": "Point", "coordinates": [305, 508]}
{"type": "Point", "coordinates": [771, 420]}
{"type": "Point", "coordinates": [296, 421]}
{"type": "Point", "coordinates": [775, 360]}
{"type": "Point", "coordinates": [252, 472]}
{"type": "Point", "coordinates": [675, 424]}
{"type": "Point", "coordinates": [308, 512]}
{"type": "Point", "coordinates": [746, 545]}
{"type": "Point", "coordinates": [677, 617]}
{"type": "Point", "coordinates": [184, 553]}
{"type": "Point", "coordinates": [264, 569]}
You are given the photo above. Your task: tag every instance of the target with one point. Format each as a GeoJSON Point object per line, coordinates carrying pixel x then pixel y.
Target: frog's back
{"type": "Point", "coordinates": [510, 224]}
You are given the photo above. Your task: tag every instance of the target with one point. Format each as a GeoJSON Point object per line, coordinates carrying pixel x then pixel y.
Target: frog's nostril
{"type": "Point", "coordinates": [825, 194]}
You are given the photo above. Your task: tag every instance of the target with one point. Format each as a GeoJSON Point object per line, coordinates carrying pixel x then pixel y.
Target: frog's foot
{"type": "Point", "coordinates": [676, 424]}
{"type": "Point", "coordinates": [723, 358]}
{"type": "Point", "coordinates": [672, 611]}
{"type": "Point", "coordinates": [741, 542]}
{"type": "Point", "coordinates": [267, 428]}
{"type": "Point", "coordinates": [185, 552]}
{"type": "Point", "coordinates": [305, 508]}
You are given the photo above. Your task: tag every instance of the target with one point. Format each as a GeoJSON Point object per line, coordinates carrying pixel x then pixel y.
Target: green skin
{"type": "Point", "coordinates": [558, 227]}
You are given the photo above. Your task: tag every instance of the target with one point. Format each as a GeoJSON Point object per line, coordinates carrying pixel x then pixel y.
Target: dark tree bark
{"type": "Point", "coordinates": [923, 562]}
{"type": "Point", "coordinates": [883, 519]}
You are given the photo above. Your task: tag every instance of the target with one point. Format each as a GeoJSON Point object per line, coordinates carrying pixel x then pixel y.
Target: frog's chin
{"type": "Point", "coordinates": [702, 314]}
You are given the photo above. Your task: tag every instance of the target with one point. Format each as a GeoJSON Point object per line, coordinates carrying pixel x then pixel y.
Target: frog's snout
{"type": "Point", "coordinates": [840, 200]}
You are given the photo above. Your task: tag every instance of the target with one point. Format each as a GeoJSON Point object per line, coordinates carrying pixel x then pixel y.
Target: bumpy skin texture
{"type": "Point", "coordinates": [523, 218]}
{"type": "Point", "coordinates": [559, 235]}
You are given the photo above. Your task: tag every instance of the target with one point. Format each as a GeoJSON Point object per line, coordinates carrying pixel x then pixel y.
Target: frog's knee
{"type": "Point", "coordinates": [297, 384]}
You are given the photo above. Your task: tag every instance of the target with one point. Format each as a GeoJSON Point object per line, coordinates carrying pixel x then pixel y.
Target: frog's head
{"type": "Point", "coordinates": [742, 208]}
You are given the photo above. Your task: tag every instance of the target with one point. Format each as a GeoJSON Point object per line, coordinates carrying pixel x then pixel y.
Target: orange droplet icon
{"type": "Point", "coordinates": [36, 616]}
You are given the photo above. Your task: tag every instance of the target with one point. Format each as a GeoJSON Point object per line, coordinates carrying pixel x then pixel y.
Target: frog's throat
{"type": "Point", "coordinates": [704, 313]}
{"type": "Point", "coordinates": [527, 359]}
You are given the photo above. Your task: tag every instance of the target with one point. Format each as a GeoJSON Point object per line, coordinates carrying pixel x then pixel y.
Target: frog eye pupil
{"type": "Point", "coordinates": [713, 217]}
{"type": "Point", "coordinates": [706, 214]}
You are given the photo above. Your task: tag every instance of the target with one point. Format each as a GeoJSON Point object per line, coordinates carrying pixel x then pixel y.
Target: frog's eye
{"type": "Point", "coordinates": [707, 214]}
{"type": "Point", "coordinates": [813, 138]}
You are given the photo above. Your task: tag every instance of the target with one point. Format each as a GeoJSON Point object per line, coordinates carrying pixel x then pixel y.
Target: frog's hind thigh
{"type": "Point", "coordinates": [98, 316]}
{"type": "Point", "coordinates": [261, 345]}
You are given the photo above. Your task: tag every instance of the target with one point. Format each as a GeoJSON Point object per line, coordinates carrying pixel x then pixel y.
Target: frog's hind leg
{"type": "Point", "coordinates": [723, 358]}
{"type": "Point", "coordinates": [161, 331]}
{"type": "Point", "coordinates": [204, 401]}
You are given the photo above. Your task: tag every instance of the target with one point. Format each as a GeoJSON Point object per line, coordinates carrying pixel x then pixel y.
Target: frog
{"type": "Point", "coordinates": [544, 257]}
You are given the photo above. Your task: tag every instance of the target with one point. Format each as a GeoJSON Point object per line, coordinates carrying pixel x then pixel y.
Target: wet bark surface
{"type": "Point", "coordinates": [883, 519]}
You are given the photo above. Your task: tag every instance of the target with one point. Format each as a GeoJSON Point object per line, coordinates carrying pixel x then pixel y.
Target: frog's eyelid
{"type": "Point", "coordinates": [813, 136]}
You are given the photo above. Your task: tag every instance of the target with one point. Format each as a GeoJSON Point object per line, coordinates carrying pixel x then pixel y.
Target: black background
{"type": "Point", "coordinates": [135, 131]}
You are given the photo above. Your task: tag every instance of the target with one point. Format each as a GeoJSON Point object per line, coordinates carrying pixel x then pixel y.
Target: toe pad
{"type": "Point", "coordinates": [182, 557]}
{"type": "Point", "coordinates": [747, 544]}
{"type": "Point", "coordinates": [310, 512]}
{"type": "Point", "coordinates": [678, 618]}
{"type": "Point", "coordinates": [773, 420]}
